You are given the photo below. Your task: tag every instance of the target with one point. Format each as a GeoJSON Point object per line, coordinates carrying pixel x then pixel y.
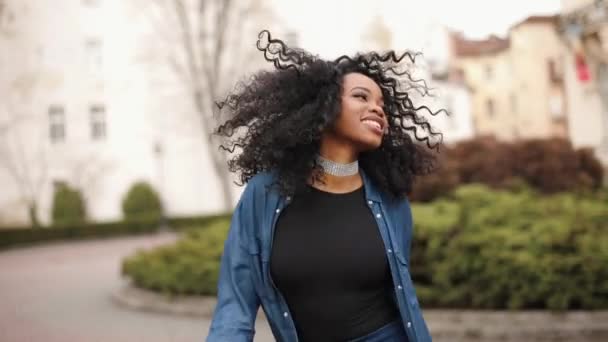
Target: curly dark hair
{"type": "Point", "coordinates": [277, 117]}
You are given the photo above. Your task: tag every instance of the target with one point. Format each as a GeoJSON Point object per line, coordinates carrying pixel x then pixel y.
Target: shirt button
{"type": "Point", "coordinates": [288, 198]}
{"type": "Point", "coordinates": [370, 203]}
{"type": "Point", "coordinates": [278, 210]}
{"type": "Point", "coordinates": [378, 215]}
{"type": "Point", "coordinates": [390, 250]}
{"type": "Point", "coordinates": [409, 324]}
{"type": "Point", "coordinates": [399, 287]}
{"type": "Point", "coordinates": [285, 314]}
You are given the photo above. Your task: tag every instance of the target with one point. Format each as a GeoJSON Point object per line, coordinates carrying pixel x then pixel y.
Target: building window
{"type": "Point", "coordinates": [554, 71]}
{"type": "Point", "coordinates": [57, 124]}
{"type": "Point", "coordinates": [98, 122]}
{"type": "Point", "coordinates": [91, 3]}
{"type": "Point", "coordinates": [556, 106]}
{"type": "Point", "coordinates": [490, 108]}
{"type": "Point", "coordinates": [93, 54]}
{"type": "Point", "coordinates": [489, 72]}
{"type": "Point", "coordinates": [7, 19]}
{"type": "Point", "coordinates": [457, 75]}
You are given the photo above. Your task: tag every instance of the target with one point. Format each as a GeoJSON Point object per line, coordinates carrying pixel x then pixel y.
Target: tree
{"type": "Point", "coordinates": [7, 19]}
{"type": "Point", "coordinates": [206, 46]}
{"type": "Point", "coordinates": [22, 149]}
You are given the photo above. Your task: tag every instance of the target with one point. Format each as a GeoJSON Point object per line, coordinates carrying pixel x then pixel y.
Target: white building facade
{"type": "Point", "coordinates": [81, 106]}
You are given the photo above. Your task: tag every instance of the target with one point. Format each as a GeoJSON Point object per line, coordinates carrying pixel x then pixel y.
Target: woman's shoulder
{"type": "Point", "coordinates": [265, 178]}
{"type": "Point", "coordinates": [258, 187]}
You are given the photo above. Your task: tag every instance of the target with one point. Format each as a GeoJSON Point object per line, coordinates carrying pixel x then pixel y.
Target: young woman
{"type": "Point", "coordinates": [320, 238]}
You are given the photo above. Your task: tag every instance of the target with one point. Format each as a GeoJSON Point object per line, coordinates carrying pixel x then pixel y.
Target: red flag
{"type": "Point", "coordinates": [582, 68]}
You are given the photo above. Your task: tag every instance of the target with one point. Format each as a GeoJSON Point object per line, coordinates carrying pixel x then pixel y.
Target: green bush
{"type": "Point", "coordinates": [189, 267]}
{"type": "Point", "coordinates": [497, 249]}
{"type": "Point", "coordinates": [477, 248]}
{"type": "Point", "coordinates": [68, 206]}
{"type": "Point", "coordinates": [141, 201]}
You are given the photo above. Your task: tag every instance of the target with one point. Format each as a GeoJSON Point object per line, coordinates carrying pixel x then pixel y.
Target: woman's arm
{"type": "Point", "coordinates": [237, 300]}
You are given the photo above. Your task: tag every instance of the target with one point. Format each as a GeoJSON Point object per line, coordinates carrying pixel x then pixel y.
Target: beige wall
{"type": "Point", "coordinates": [489, 80]}
{"type": "Point", "coordinates": [540, 111]}
{"type": "Point", "coordinates": [517, 80]}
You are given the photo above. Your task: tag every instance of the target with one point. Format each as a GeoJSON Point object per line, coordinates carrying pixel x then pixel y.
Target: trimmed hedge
{"type": "Point", "coordinates": [20, 236]}
{"type": "Point", "coordinates": [191, 266]}
{"type": "Point", "coordinates": [141, 201]}
{"type": "Point", "coordinates": [69, 207]}
{"type": "Point", "coordinates": [497, 249]}
{"type": "Point", "coordinates": [477, 248]}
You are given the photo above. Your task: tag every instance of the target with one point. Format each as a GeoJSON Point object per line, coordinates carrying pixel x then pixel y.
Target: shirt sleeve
{"type": "Point", "coordinates": [237, 300]}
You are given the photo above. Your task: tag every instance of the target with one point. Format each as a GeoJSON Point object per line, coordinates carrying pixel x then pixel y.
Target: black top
{"type": "Point", "coordinates": [329, 262]}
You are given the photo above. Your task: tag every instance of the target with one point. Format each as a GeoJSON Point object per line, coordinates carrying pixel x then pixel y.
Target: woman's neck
{"type": "Point", "coordinates": [337, 150]}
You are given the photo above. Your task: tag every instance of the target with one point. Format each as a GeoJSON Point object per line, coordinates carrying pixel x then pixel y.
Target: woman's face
{"type": "Point", "coordinates": [362, 120]}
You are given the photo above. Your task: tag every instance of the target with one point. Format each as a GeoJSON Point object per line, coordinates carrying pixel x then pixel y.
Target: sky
{"type": "Point", "coordinates": [330, 26]}
{"type": "Point", "coordinates": [490, 16]}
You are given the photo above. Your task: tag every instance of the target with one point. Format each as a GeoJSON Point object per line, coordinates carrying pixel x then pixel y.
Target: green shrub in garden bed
{"type": "Point", "coordinates": [498, 249]}
{"type": "Point", "coordinates": [69, 207]}
{"type": "Point", "coordinates": [191, 266]}
{"type": "Point", "coordinates": [141, 201]}
{"type": "Point", "coordinates": [477, 248]}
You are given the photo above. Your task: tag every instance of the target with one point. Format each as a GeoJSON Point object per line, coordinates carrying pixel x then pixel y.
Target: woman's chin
{"type": "Point", "coordinates": [369, 144]}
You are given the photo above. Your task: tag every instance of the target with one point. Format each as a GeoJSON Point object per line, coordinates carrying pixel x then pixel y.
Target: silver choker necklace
{"type": "Point", "coordinates": [337, 169]}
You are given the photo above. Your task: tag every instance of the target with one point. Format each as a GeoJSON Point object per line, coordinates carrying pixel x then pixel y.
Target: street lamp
{"type": "Point", "coordinates": [158, 152]}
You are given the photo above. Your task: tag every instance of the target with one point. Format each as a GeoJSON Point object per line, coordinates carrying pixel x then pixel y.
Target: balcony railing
{"type": "Point", "coordinates": [586, 19]}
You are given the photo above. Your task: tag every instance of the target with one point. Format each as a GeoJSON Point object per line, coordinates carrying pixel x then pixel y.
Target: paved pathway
{"type": "Point", "coordinates": [61, 293]}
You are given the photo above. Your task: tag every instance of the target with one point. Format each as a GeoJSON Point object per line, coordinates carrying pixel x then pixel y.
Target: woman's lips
{"type": "Point", "coordinates": [374, 126]}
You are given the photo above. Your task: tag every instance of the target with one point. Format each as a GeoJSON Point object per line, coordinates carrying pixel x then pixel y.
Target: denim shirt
{"type": "Point", "coordinates": [245, 283]}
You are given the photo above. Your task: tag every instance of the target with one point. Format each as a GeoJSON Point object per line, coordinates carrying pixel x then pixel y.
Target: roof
{"type": "Point", "coordinates": [538, 19]}
{"type": "Point", "coordinates": [463, 47]}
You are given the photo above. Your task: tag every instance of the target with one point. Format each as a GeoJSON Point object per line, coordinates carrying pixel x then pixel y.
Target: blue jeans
{"type": "Point", "coordinates": [392, 332]}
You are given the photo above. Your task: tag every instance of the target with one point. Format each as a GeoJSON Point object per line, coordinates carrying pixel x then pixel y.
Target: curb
{"type": "Point", "coordinates": [445, 325]}
{"type": "Point", "coordinates": [149, 301]}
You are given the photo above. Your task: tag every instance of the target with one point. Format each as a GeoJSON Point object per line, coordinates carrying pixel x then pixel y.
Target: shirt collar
{"type": "Point", "coordinates": [371, 192]}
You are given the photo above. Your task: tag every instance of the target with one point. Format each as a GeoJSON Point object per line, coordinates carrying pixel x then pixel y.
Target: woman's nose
{"type": "Point", "coordinates": [377, 109]}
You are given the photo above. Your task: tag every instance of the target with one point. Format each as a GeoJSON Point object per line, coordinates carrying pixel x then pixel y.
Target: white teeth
{"type": "Point", "coordinates": [373, 123]}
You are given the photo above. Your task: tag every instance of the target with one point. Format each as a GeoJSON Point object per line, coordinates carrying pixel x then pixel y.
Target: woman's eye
{"type": "Point", "coordinates": [361, 96]}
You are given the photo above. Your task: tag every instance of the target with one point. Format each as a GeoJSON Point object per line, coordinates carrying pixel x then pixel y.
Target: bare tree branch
{"type": "Point", "coordinates": [186, 40]}
{"type": "Point", "coordinates": [207, 55]}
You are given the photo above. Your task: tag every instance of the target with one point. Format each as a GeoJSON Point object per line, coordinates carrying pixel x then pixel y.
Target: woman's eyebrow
{"type": "Point", "coordinates": [361, 88]}
{"type": "Point", "coordinates": [367, 91]}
